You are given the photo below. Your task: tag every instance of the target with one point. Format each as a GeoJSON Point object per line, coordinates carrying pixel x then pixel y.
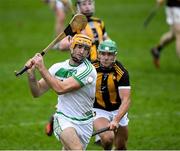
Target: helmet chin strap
{"type": "Point", "coordinates": [76, 60]}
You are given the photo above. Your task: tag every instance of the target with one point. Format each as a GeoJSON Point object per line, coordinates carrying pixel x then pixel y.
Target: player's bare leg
{"type": "Point", "coordinates": [165, 40]}
{"type": "Point", "coordinates": [121, 138]}
{"type": "Point", "coordinates": [106, 137]}
{"type": "Point", "coordinates": [70, 140]}
{"type": "Point", "coordinates": [177, 34]}
{"type": "Point", "coordinates": [60, 18]}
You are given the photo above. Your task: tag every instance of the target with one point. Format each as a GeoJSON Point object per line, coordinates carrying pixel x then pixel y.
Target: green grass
{"type": "Point", "coordinates": [27, 27]}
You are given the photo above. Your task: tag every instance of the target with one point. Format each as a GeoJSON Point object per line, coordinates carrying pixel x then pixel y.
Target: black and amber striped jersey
{"type": "Point", "coordinates": [107, 85]}
{"type": "Point", "coordinates": [95, 29]}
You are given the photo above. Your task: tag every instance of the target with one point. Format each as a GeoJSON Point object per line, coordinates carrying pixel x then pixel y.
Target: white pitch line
{"type": "Point", "coordinates": [131, 116]}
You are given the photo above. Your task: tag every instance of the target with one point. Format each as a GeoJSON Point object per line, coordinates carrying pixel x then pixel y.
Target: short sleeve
{"type": "Point", "coordinates": [124, 82]}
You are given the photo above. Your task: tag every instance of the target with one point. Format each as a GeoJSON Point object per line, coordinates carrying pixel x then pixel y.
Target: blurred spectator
{"type": "Point", "coordinates": [61, 8]}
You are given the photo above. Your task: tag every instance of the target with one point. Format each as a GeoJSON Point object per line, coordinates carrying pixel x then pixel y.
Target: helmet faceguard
{"type": "Point", "coordinates": [107, 47]}
{"type": "Point", "coordinates": [80, 40]}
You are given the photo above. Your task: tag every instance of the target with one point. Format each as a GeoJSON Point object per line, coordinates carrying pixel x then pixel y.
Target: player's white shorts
{"type": "Point", "coordinates": [173, 15]}
{"type": "Point", "coordinates": [110, 115]}
{"type": "Point", "coordinates": [84, 131]}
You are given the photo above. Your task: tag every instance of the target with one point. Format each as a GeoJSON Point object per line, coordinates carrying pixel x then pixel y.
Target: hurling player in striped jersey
{"type": "Point", "coordinates": [112, 97]}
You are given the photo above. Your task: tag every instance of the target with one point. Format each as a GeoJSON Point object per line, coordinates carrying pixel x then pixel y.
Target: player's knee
{"type": "Point", "coordinates": [107, 141]}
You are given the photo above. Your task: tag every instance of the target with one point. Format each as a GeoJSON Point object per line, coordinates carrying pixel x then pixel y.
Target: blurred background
{"type": "Point", "coordinates": [27, 27]}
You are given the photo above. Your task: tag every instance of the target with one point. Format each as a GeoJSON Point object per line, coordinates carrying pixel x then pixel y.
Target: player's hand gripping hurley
{"type": "Point", "coordinates": [77, 23]}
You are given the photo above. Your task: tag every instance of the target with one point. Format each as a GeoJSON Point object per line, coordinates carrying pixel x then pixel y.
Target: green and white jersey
{"type": "Point", "coordinates": [76, 105]}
